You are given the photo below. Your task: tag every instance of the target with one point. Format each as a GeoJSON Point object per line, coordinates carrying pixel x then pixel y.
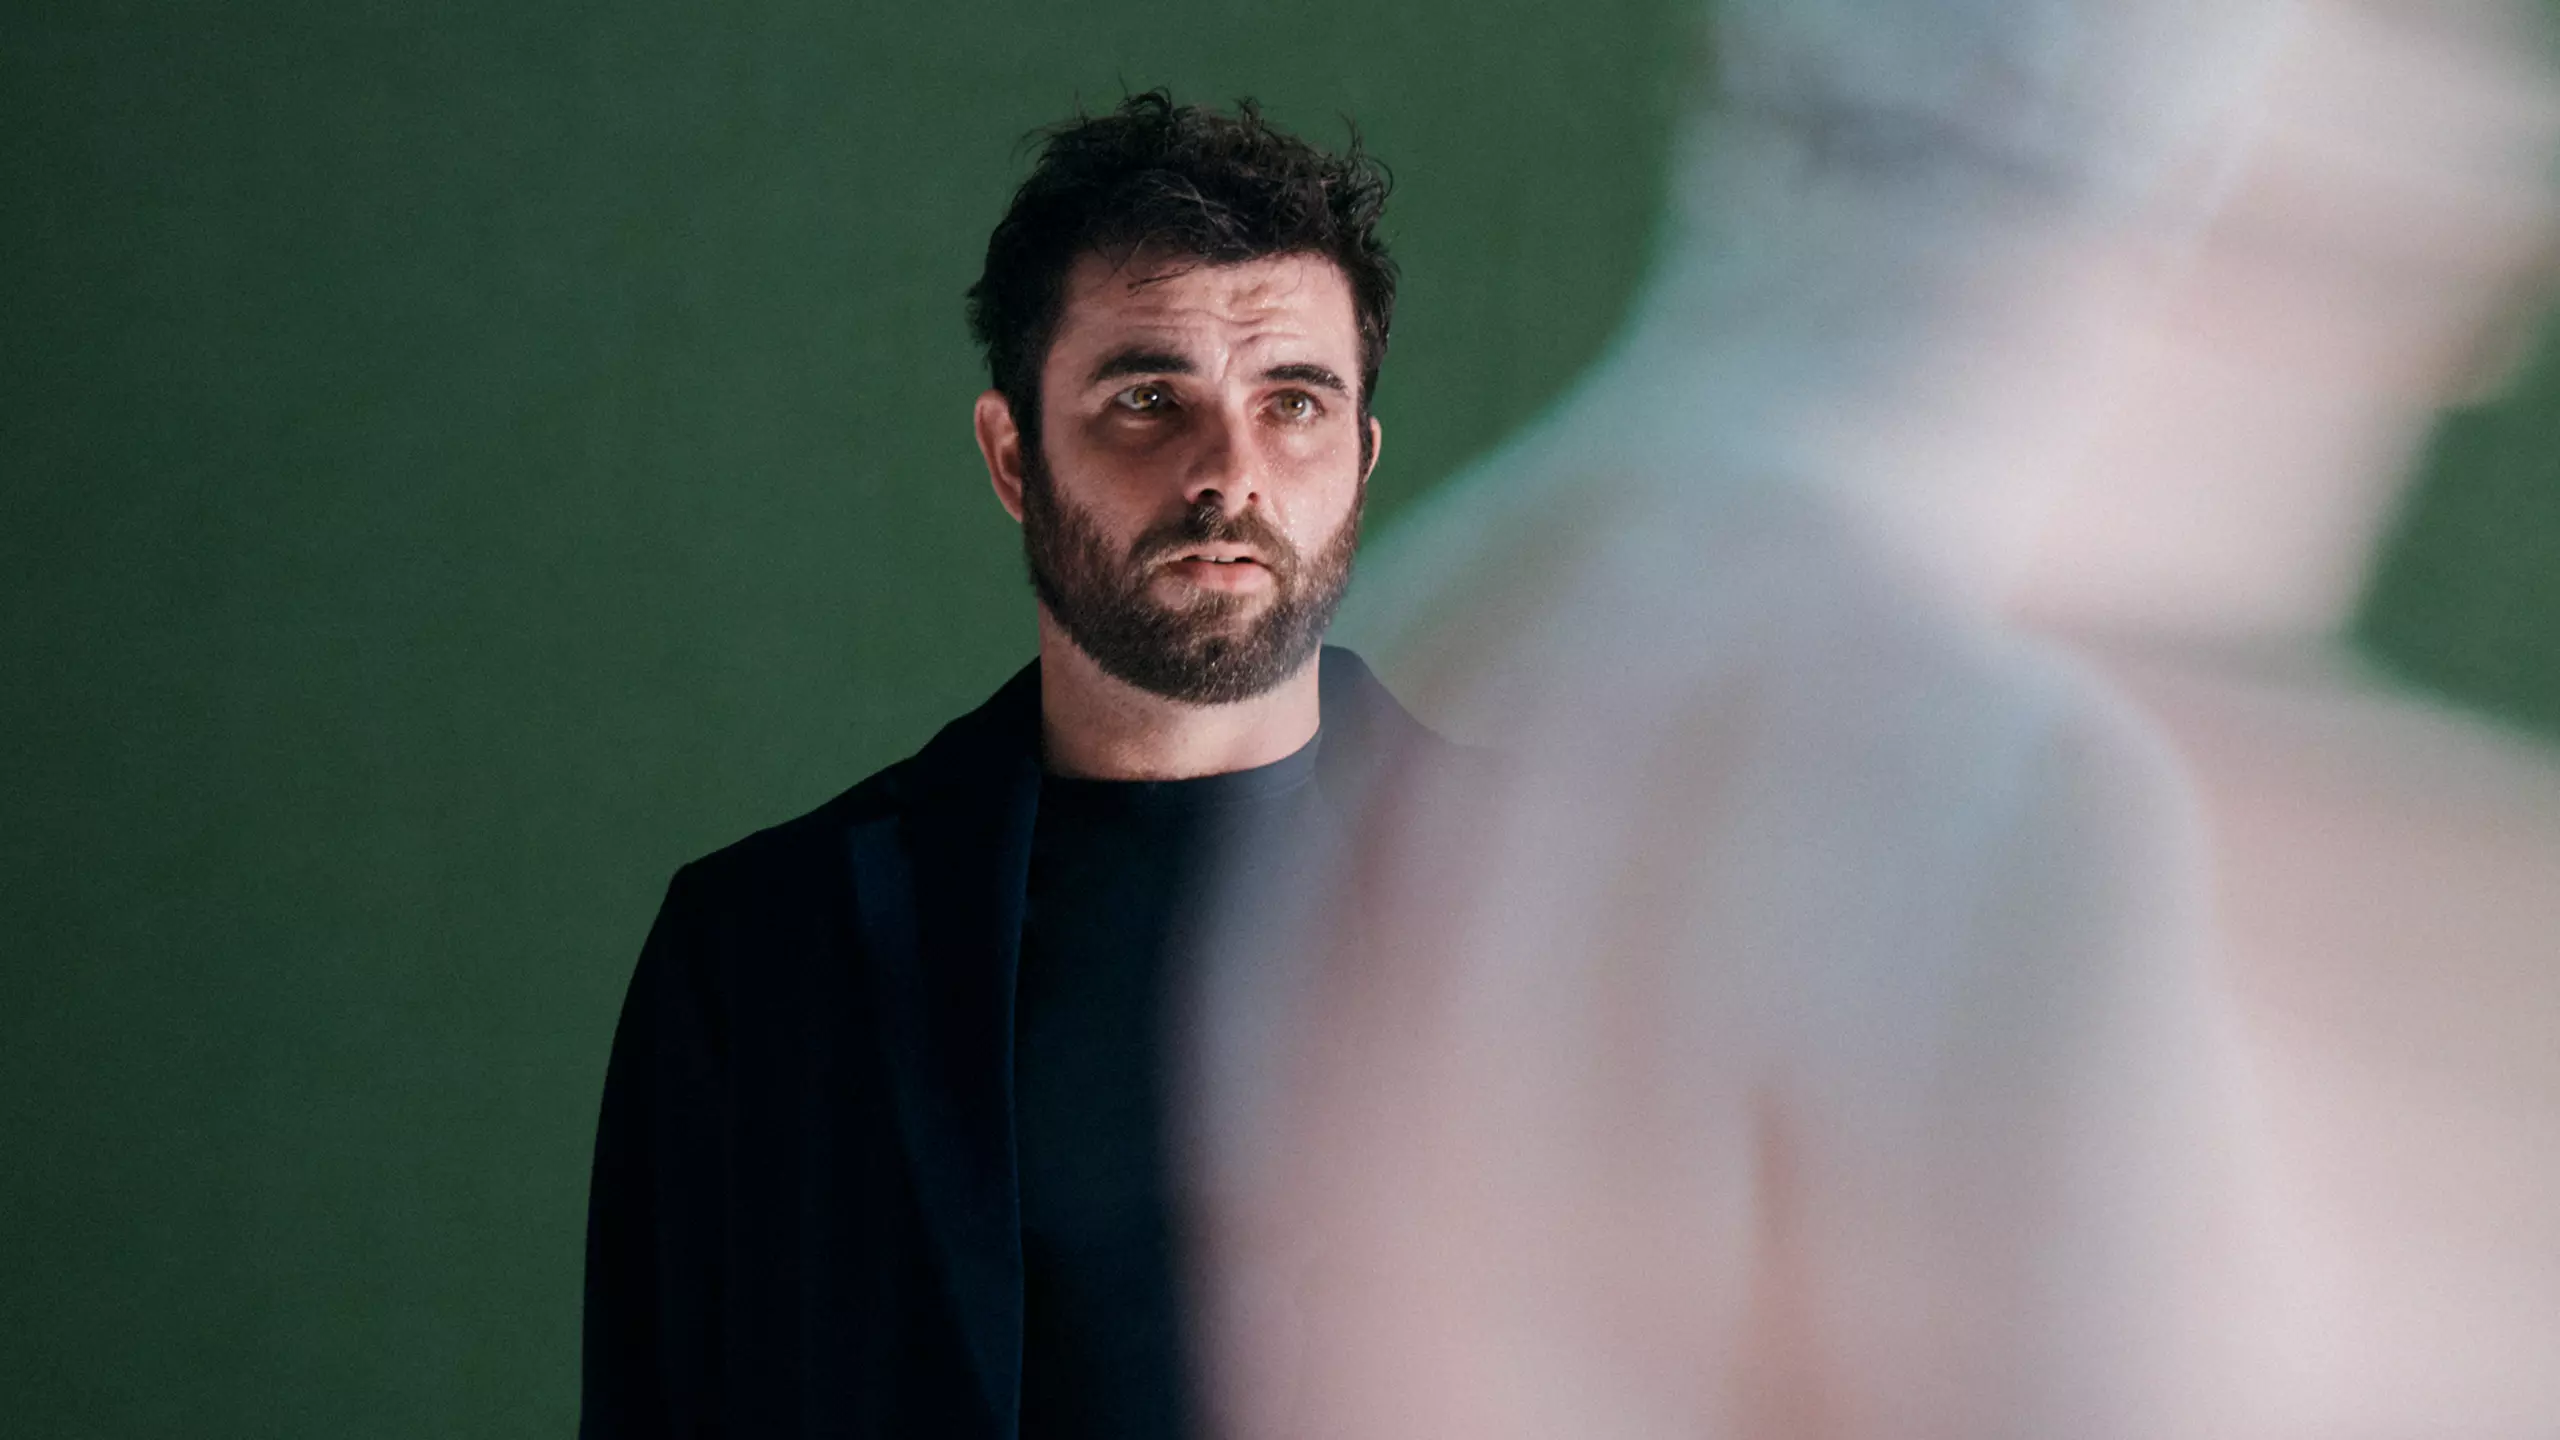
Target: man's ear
{"type": "Point", "coordinates": [1377, 442]}
{"type": "Point", "coordinates": [1000, 441]}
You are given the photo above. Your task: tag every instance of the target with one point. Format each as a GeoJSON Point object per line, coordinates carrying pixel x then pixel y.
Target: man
{"type": "Point", "coordinates": [882, 1140]}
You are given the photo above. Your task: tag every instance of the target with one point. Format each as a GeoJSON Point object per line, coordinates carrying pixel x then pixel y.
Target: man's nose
{"type": "Point", "coordinates": [1222, 469]}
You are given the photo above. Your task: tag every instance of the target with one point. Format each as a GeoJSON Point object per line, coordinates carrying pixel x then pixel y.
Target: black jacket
{"type": "Point", "coordinates": [803, 1216]}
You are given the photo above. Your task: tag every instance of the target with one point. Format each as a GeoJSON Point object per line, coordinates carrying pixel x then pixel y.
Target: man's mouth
{"type": "Point", "coordinates": [1224, 568]}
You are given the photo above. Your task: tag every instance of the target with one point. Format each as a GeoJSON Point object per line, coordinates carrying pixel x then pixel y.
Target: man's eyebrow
{"type": "Point", "coordinates": [1136, 361]}
{"type": "Point", "coordinates": [1306, 374]}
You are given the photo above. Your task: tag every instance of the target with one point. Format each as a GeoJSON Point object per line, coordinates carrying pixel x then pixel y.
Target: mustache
{"type": "Point", "coordinates": [1206, 524]}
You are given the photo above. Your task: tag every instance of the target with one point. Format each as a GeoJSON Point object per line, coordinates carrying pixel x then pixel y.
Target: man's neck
{"type": "Point", "coordinates": [1094, 726]}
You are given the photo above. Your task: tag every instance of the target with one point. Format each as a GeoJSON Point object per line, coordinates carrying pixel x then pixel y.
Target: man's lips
{"type": "Point", "coordinates": [1219, 569]}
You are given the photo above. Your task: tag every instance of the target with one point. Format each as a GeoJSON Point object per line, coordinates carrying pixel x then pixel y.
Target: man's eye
{"type": "Point", "coordinates": [1296, 405]}
{"type": "Point", "coordinates": [1144, 398]}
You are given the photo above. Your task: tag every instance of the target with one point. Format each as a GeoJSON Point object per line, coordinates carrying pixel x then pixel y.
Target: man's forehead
{"type": "Point", "coordinates": [1297, 296]}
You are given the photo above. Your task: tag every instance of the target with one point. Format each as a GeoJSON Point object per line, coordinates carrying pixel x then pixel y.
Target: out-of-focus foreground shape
{"type": "Point", "coordinates": [1951, 944]}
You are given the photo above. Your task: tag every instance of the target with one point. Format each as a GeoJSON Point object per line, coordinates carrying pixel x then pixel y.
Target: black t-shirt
{"type": "Point", "coordinates": [1114, 866]}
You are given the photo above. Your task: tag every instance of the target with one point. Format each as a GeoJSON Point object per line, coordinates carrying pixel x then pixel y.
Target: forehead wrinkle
{"type": "Point", "coordinates": [1229, 307]}
{"type": "Point", "coordinates": [1230, 313]}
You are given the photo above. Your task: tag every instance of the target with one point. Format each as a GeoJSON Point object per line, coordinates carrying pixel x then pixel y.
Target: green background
{"type": "Point", "coordinates": [462, 461]}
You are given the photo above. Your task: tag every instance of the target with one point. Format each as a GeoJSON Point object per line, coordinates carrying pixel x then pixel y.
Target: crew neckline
{"type": "Point", "coordinates": [1261, 782]}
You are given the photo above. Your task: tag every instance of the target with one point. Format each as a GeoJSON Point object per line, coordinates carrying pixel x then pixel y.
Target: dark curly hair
{"type": "Point", "coordinates": [1184, 180]}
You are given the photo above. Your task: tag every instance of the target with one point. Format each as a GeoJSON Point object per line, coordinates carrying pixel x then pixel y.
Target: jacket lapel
{"type": "Point", "coordinates": [940, 886]}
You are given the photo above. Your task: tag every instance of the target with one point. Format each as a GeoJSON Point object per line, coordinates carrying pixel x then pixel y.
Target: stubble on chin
{"type": "Point", "coordinates": [1208, 648]}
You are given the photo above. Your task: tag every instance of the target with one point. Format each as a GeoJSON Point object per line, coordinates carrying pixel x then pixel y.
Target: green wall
{"type": "Point", "coordinates": [461, 463]}
{"type": "Point", "coordinates": [2465, 600]}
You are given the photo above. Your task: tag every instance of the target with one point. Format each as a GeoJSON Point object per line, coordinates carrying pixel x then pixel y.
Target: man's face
{"type": "Point", "coordinates": [1190, 512]}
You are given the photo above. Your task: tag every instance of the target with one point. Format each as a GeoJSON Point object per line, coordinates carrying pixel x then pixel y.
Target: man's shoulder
{"type": "Point", "coordinates": [1369, 732]}
{"type": "Point", "coordinates": [805, 844]}
{"type": "Point", "coordinates": [811, 847]}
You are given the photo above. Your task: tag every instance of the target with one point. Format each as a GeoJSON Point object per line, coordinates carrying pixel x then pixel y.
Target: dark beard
{"type": "Point", "coordinates": [1192, 653]}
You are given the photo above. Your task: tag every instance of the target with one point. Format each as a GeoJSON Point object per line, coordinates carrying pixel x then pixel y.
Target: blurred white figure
{"type": "Point", "coordinates": [2386, 871]}
{"type": "Point", "coordinates": [1911, 650]}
